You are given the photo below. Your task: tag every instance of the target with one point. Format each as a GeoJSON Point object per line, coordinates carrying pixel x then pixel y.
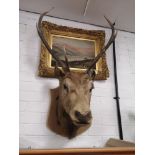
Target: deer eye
{"type": "Point", "coordinates": [65, 87]}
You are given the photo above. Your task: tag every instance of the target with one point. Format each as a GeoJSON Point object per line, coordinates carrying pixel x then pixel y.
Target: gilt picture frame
{"type": "Point", "coordinates": [81, 48]}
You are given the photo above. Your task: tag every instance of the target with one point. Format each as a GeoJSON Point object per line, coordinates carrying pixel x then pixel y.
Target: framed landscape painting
{"type": "Point", "coordinates": [81, 47]}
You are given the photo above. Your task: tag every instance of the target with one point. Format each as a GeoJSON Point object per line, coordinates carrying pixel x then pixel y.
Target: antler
{"type": "Point", "coordinates": [66, 60]}
{"type": "Point", "coordinates": [64, 66]}
{"type": "Point", "coordinates": [112, 38]}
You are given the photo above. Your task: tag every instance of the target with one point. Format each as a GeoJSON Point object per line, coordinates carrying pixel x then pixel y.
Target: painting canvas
{"type": "Point", "coordinates": [80, 52]}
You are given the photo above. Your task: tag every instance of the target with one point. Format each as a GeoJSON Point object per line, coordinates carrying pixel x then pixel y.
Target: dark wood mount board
{"type": "Point", "coordinates": [99, 151]}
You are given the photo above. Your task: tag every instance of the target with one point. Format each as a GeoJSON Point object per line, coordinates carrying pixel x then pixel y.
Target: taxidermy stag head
{"type": "Point", "coordinates": [75, 89]}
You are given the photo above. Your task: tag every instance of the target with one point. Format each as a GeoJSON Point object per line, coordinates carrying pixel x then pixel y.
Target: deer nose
{"type": "Point", "coordinates": [83, 119]}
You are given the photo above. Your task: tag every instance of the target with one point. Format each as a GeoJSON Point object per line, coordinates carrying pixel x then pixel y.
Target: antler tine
{"type": "Point", "coordinates": [40, 32]}
{"type": "Point", "coordinates": [112, 38]}
{"type": "Point", "coordinates": [66, 60]}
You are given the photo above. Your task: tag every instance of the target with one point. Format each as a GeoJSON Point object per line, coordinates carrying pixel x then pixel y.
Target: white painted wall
{"type": "Point", "coordinates": [35, 99]}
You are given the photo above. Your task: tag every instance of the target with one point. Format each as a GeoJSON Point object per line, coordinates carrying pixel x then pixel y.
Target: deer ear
{"type": "Point", "coordinates": [92, 74]}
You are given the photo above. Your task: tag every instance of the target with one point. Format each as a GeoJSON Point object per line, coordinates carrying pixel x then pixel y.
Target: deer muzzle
{"type": "Point", "coordinates": [83, 119]}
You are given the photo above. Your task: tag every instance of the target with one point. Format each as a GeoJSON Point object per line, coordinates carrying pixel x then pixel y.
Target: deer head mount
{"type": "Point", "coordinates": [75, 89]}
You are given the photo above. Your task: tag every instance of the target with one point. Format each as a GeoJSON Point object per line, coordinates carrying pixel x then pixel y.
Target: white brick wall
{"type": "Point", "coordinates": [35, 99]}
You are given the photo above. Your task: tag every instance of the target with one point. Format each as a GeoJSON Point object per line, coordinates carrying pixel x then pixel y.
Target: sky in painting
{"type": "Point", "coordinates": [76, 47]}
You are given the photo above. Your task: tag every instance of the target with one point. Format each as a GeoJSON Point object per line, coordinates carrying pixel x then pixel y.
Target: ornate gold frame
{"type": "Point", "coordinates": [50, 29]}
